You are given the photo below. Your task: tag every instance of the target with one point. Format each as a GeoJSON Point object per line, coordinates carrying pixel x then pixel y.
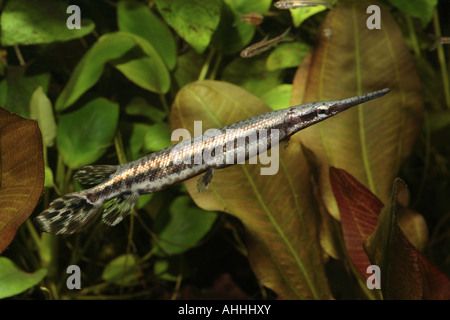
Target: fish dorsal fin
{"type": "Point", "coordinates": [118, 208]}
{"type": "Point", "coordinates": [90, 176]}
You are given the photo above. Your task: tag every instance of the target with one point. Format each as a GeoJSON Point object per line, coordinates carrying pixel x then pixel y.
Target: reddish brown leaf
{"type": "Point", "coordinates": [405, 271]}
{"type": "Point", "coordinates": [359, 209]}
{"type": "Point", "coordinates": [22, 172]}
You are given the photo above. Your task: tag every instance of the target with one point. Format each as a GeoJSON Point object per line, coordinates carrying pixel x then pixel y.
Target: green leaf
{"type": "Point", "coordinates": [48, 182]}
{"type": "Point", "coordinates": [137, 18]}
{"type": "Point", "coordinates": [182, 227]}
{"type": "Point", "coordinates": [282, 230]}
{"type": "Point", "coordinates": [41, 110]}
{"type": "Point", "coordinates": [299, 15]}
{"type": "Point", "coordinates": [14, 281]}
{"type": "Point", "coordinates": [123, 270]}
{"type": "Point", "coordinates": [136, 141]}
{"type": "Point", "coordinates": [157, 137]}
{"type": "Point", "coordinates": [139, 106]}
{"type": "Point", "coordinates": [194, 20]}
{"type": "Point", "coordinates": [85, 134]}
{"type": "Point", "coordinates": [90, 68]}
{"type": "Point", "coordinates": [143, 66]}
{"type": "Point", "coordinates": [278, 97]}
{"type": "Point", "coordinates": [16, 90]}
{"type": "Point", "coordinates": [28, 22]}
{"type": "Point", "coordinates": [188, 67]}
{"type": "Point", "coordinates": [422, 9]}
{"type": "Point", "coordinates": [232, 35]}
{"type": "Point", "coordinates": [287, 55]}
{"type": "Point", "coordinates": [252, 75]}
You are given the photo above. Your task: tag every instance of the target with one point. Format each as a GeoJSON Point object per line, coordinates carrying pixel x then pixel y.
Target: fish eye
{"type": "Point", "coordinates": [323, 111]}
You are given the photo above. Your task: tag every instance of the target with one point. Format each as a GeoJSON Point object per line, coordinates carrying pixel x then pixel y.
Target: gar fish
{"type": "Point", "coordinates": [292, 4]}
{"type": "Point", "coordinates": [120, 186]}
{"type": "Point", "coordinates": [264, 45]}
{"type": "Point", "coordinates": [253, 18]}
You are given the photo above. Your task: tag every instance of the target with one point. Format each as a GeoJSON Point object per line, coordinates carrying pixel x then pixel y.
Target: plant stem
{"type": "Point", "coordinates": [205, 67]}
{"type": "Point", "coordinates": [119, 148]}
{"type": "Point", "coordinates": [412, 34]}
{"type": "Point", "coordinates": [163, 100]}
{"type": "Point", "coordinates": [441, 57]}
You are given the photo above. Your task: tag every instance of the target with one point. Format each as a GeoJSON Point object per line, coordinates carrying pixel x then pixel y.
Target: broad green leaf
{"type": "Point", "coordinates": [90, 68]}
{"type": "Point", "coordinates": [188, 67]}
{"type": "Point", "coordinates": [42, 111]}
{"type": "Point", "coordinates": [85, 134]}
{"type": "Point", "coordinates": [405, 271]}
{"type": "Point", "coordinates": [276, 210]}
{"type": "Point", "coordinates": [123, 270]}
{"type": "Point", "coordinates": [143, 66]}
{"type": "Point", "coordinates": [182, 227]}
{"type": "Point", "coordinates": [157, 137]}
{"type": "Point", "coordinates": [232, 35]}
{"type": "Point", "coordinates": [21, 172]}
{"type": "Point", "coordinates": [370, 141]}
{"type": "Point", "coordinates": [136, 141]}
{"type": "Point", "coordinates": [287, 55]}
{"type": "Point", "coordinates": [194, 20]}
{"type": "Point", "coordinates": [28, 22]}
{"type": "Point", "coordinates": [278, 97]}
{"type": "Point", "coordinates": [422, 9]}
{"type": "Point", "coordinates": [139, 106]}
{"type": "Point", "coordinates": [48, 182]}
{"type": "Point", "coordinates": [299, 15]}
{"type": "Point", "coordinates": [14, 281]}
{"type": "Point", "coordinates": [16, 90]}
{"type": "Point", "coordinates": [161, 269]}
{"type": "Point", "coordinates": [252, 75]}
{"type": "Point", "coordinates": [137, 18]}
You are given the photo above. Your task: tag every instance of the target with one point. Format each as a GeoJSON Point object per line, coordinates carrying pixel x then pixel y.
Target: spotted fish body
{"type": "Point", "coordinates": [119, 187]}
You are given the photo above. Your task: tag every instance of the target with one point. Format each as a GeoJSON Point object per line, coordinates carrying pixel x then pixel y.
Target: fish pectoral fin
{"type": "Point", "coordinates": [90, 176]}
{"type": "Point", "coordinates": [205, 180]}
{"type": "Point", "coordinates": [118, 208]}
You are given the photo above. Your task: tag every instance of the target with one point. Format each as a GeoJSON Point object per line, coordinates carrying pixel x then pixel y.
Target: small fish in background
{"type": "Point", "coordinates": [253, 18]}
{"type": "Point", "coordinates": [265, 45]}
{"type": "Point", "coordinates": [437, 41]}
{"type": "Point", "coordinates": [292, 4]}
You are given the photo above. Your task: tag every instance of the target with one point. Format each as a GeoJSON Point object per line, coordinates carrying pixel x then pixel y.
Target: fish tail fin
{"type": "Point", "coordinates": [436, 42]}
{"type": "Point", "coordinates": [285, 35]}
{"type": "Point", "coordinates": [67, 214]}
{"type": "Point", "coordinates": [118, 208]}
{"type": "Point", "coordinates": [90, 176]}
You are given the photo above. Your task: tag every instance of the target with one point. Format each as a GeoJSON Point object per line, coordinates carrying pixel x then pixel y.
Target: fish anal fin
{"type": "Point", "coordinates": [118, 208]}
{"type": "Point", "coordinates": [90, 176]}
{"type": "Point", "coordinates": [204, 182]}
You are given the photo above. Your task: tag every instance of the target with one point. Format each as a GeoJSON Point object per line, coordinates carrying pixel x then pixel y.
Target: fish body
{"type": "Point", "coordinates": [119, 187]}
{"type": "Point", "coordinates": [286, 4]}
{"type": "Point", "coordinates": [264, 45]}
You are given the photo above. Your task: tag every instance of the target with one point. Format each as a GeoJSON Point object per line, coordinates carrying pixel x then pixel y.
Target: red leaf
{"type": "Point", "coordinates": [22, 172]}
{"type": "Point", "coordinates": [359, 209]}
